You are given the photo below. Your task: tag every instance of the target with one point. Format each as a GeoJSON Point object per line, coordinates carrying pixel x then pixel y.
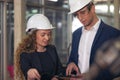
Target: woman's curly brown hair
{"type": "Point", "coordinates": [28, 45]}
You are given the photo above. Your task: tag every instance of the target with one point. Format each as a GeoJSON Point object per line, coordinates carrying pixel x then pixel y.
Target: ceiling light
{"type": "Point", "coordinates": [53, 0]}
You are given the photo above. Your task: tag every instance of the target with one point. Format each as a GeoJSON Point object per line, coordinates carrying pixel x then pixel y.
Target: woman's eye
{"type": "Point", "coordinates": [42, 35]}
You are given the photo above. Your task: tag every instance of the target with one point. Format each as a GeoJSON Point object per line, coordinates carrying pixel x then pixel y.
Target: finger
{"type": "Point", "coordinates": [68, 71]}
{"type": "Point", "coordinates": [37, 75]}
{"type": "Point", "coordinates": [76, 69]}
{"type": "Point", "coordinates": [30, 75]}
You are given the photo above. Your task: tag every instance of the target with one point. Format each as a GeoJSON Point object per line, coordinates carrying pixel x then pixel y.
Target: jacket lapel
{"type": "Point", "coordinates": [51, 52]}
{"type": "Point", "coordinates": [95, 42]}
{"type": "Point", "coordinates": [97, 35]}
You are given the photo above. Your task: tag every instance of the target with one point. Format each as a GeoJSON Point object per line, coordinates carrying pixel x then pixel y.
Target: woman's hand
{"type": "Point", "coordinates": [54, 78]}
{"type": "Point", "coordinates": [33, 74]}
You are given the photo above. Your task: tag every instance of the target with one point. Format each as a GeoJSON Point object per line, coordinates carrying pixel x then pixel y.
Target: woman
{"type": "Point", "coordinates": [35, 58]}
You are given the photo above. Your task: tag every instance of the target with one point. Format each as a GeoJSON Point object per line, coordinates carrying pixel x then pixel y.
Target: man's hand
{"type": "Point", "coordinates": [33, 74]}
{"type": "Point", "coordinates": [72, 67]}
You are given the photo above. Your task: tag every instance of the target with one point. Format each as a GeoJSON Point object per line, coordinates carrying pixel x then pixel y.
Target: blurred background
{"type": "Point", "coordinates": [14, 14]}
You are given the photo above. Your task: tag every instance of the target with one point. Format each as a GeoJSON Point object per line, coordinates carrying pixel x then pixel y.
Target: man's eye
{"type": "Point", "coordinates": [83, 12]}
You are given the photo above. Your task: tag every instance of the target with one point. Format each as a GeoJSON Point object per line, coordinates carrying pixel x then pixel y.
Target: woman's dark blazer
{"type": "Point", "coordinates": [31, 60]}
{"type": "Point", "coordinates": [104, 33]}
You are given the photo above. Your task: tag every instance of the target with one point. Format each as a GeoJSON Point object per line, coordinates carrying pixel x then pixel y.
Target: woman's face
{"type": "Point", "coordinates": [43, 37]}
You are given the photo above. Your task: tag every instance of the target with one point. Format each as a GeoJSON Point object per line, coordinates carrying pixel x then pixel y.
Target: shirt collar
{"type": "Point", "coordinates": [95, 27]}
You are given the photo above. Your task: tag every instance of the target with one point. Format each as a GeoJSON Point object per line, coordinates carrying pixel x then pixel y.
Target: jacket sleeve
{"type": "Point", "coordinates": [59, 70]}
{"type": "Point", "coordinates": [75, 45]}
{"type": "Point", "coordinates": [25, 63]}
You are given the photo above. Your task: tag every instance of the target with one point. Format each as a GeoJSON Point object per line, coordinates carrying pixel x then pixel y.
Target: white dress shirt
{"type": "Point", "coordinates": [85, 45]}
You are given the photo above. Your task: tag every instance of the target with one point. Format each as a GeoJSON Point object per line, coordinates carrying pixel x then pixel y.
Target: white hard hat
{"type": "Point", "coordinates": [76, 5]}
{"type": "Point", "coordinates": [38, 21]}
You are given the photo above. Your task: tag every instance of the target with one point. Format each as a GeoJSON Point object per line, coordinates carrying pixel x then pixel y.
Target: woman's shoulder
{"type": "Point", "coordinates": [50, 46]}
{"type": "Point", "coordinates": [26, 53]}
{"type": "Point", "coordinates": [28, 56]}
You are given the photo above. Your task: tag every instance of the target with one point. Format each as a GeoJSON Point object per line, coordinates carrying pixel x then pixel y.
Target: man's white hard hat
{"type": "Point", "coordinates": [76, 5]}
{"type": "Point", "coordinates": [38, 21]}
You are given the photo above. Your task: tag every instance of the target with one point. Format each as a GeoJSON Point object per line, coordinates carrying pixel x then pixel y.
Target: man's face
{"type": "Point", "coordinates": [85, 16]}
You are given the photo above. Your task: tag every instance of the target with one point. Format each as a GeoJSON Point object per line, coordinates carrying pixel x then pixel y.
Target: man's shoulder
{"type": "Point", "coordinates": [108, 27]}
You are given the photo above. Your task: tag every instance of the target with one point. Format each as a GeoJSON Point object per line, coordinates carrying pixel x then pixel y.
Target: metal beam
{"type": "Point", "coordinates": [19, 21]}
{"type": "Point", "coordinates": [19, 24]}
{"type": "Point", "coordinates": [116, 14]}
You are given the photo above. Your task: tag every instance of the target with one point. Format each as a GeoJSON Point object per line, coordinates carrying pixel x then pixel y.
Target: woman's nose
{"type": "Point", "coordinates": [47, 37]}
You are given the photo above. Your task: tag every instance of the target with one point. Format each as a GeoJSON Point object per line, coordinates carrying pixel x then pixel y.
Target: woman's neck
{"type": "Point", "coordinates": [41, 49]}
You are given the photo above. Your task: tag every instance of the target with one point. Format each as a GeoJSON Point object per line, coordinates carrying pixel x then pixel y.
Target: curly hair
{"type": "Point", "coordinates": [28, 45]}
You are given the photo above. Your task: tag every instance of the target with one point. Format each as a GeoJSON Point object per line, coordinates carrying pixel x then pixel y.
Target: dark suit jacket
{"type": "Point", "coordinates": [104, 33]}
{"type": "Point", "coordinates": [31, 60]}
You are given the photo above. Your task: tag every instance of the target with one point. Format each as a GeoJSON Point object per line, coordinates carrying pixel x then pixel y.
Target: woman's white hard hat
{"type": "Point", "coordinates": [76, 5]}
{"type": "Point", "coordinates": [38, 21]}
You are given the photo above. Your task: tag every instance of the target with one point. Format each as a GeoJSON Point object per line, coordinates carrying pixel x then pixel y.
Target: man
{"type": "Point", "coordinates": [87, 39]}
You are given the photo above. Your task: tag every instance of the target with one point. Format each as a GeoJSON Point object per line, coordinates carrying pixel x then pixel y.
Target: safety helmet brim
{"type": "Point", "coordinates": [27, 30]}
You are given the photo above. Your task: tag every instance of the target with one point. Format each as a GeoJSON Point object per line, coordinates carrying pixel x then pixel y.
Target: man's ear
{"type": "Point", "coordinates": [93, 8]}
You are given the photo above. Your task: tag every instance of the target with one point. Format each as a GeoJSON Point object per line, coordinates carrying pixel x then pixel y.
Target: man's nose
{"type": "Point", "coordinates": [79, 17]}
